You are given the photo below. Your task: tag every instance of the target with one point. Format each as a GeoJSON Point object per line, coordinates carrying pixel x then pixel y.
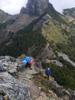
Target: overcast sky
{"type": "Point", "coordinates": [14, 6]}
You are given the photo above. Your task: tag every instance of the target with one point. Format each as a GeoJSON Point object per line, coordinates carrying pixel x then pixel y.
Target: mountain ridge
{"type": "Point", "coordinates": [42, 37]}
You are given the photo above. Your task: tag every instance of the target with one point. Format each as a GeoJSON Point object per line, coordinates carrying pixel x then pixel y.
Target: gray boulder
{"type": "Point", "coordinates": [10, 64]}
{"type": "Point", "coordinates": [14, 89]}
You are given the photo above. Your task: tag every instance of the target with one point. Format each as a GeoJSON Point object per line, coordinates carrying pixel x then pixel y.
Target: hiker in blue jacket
{"type": "Point", "coordinates": [48, 72]}
{"type": "Point", "coordinates": [27, 61]}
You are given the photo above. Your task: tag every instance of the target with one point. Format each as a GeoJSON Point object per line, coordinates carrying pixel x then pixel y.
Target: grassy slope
{"type": "Point", "coordinates": [65, 43]}
{"type": "Point", "coordinates": [69, 48]}
{"type": "Point", "coordinates": [53, 33]}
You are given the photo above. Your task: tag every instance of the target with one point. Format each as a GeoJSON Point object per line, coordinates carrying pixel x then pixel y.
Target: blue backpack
{"type": "Point", "coordinates": [26, 60]}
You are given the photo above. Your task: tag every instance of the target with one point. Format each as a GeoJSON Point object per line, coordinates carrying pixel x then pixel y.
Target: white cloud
{"type": "Point", "coordinates": [62, 4]}
{"type": "Point", "coordinates": [14, 6]}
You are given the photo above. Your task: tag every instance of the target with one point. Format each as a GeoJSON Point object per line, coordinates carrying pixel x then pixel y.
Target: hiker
{"type": "Point", "coordinates": [27, 61]}
{"type": "Point", "coordinates": [48, 72]}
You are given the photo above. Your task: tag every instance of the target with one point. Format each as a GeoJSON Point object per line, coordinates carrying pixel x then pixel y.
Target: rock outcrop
{"type": "Point", "coordinates": [37, 7]}
{"type": "Point", "coordinates": [12, 88]}
{"type": "Point", "coordinates": [23, 87]}
{"type": "Point", "coordinates": [70, 12]}
{"type": "Point", "coordinates": [9, 64]}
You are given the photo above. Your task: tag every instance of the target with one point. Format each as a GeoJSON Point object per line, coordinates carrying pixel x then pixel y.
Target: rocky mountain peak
{"type": "Point", "coordinates": [37, 7]}
{"type": "Point", "coordinates": [70, 12]}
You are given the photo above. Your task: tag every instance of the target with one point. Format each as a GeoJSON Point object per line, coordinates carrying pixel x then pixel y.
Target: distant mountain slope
{"type": "Point", "coordinates": [24, 29]}
{"type": "Point", "coordinates": [69, 12]}
{"type": "Point", "coordinates": [36, 35]}
{"type": "Point", "coordinates": [4, 16]}
{"type": "Point", "coordinates": [21, 21]}
{"type": "Point", "coordinates": [12, 24]}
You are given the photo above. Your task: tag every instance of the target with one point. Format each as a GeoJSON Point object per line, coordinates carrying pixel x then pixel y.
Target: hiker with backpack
{"type": "Point", "coordinates": [27, 61]}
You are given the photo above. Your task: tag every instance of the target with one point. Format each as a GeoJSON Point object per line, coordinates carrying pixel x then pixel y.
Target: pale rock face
{"type": "Point", "coordinates": [11, 87]}
{"type": "Point", "coordinates": [37, 7]}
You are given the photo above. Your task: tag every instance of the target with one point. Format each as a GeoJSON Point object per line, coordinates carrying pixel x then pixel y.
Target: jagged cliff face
{"type": "Point", "coordinates": [69, 13]}
{"type": "Point", "coordinates": [37, 7]}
